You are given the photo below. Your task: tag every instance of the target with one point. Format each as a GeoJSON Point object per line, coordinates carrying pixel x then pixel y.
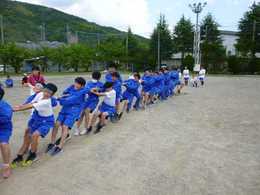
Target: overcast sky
{"type": "Point", "coordinates": [142, 15]}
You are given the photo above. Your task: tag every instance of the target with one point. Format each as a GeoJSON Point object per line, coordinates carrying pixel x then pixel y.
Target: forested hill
{"type": "Point", "coordinates": [22, 22]}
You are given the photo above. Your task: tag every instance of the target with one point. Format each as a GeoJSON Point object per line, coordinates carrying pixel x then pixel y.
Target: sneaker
{"type": "Point", "coordinates": [99, 127]}
{"type": "Point", "coordinates": [114, 118]}
{"type": "Point", "coordinates": [56, 151]}
{"type": "Point", "coordinates": [76, 132]}
{"type": "Point", "coordinates": [67, 139]}
{"type": "Point", "coordinates": [89, 130]}
{"type": "Point", "coordinates": [127, 110]}
{"type": "Point", "coordinates": [84, 132]}
{"type": "Point", "coordinates": [30, 159]}
{"type": "Point", "coordinates": [17, 160]}
{"type": "Point", "coordinates": [50, 147]}
{"type": "Point", "coordinates": [120, 115]}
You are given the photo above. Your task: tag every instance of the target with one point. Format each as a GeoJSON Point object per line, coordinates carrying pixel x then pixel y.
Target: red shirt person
{"type": "Point", "coordinates": [34, 78]}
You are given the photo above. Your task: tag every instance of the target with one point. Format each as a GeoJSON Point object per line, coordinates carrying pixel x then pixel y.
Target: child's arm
{"type": "Point", "coordinates": [23, 107]}
{"type": "Point", "coordinates": [94, 91]}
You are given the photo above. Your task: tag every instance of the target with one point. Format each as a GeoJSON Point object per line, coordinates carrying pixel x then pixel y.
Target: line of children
{"type": "Point", "coordinates": [82, 100]}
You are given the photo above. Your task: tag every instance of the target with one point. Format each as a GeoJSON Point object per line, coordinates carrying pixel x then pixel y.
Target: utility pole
{"type": "Point", "coordinates": [159, 49]}
{"type": "Point", "coordinates": [2, 29]}
{"type": "Point", "coordinates": [197, 9]}
{"type": "Point", "coordinates": [98, 39]}
{"type": "Point", "coordinates": [127, 45]}
{"type": "Point", "coordinates": [253, 38]}
{"type": "Point", "coordinates": [43, 32]}
{"type": "Point", "coordinates": [68, 33]}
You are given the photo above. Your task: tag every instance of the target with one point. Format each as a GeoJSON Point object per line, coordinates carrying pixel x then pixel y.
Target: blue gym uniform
{"type": "Point", "coordinates": [72, 103]}
{"type": "Point", "coordinates": [91, 100]}
{"type": "Point", "coordinates": [9, 83]}
{"type": "Point", "coordinates": [174, 75]}
{"type": "Point", "coordinates": [131, 91]}
{"type": "Point", "coordinates": [40, 124]}
{"type": "Point", "coordinates": [108, 78]}
{"type": "Point", "coordinates": [147, 83]}
{"type": "Point", "coordinates": [158, 84]}
{"type": "Point", "coordinates": [6, 126]}
{"type": "Point", "coordinates": [108, 109]}
{"type": "Point", "coordinates": [166, 85]}
{"type": "Point", "coordinates": [117, 86]}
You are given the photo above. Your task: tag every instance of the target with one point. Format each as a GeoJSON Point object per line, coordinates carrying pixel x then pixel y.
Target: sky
{"type": "Point", "coordinates": [142, 15]}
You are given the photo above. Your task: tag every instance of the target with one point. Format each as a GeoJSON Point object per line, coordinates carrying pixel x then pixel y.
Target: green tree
{"type": "Point", "coordinates": [58, 56]}
{"type": "Point", "coordinates": [112, 49]}
{"type": "Point", "coordinates": [78, 56]}
{"type": "Point", "coordinates": [249, 40]}
{"type": "Point", "coordinates": [183, 37]}
{"type": "Point", "coordinates": [212, 50]}
{"type": "Point", "coordinates": [249, 29]}
{"type": "Point", "coordinates": [234, 64]}
{"type": "Point", "coordinates": [13, 55]}
{"type": "Point", "coordinates": [188, 62]}
{"type": "Point", "coordinates": [166, 46]}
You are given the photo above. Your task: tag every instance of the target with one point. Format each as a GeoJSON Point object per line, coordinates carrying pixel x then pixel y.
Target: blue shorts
{"type": "Point", "coordinates": [68, 119]}
{"type": "Point", "coordinates": [127, 96]}
{"type": "Point", "coordinates": [5, 133]}
{"type": "Point", "coordinates": [42, 126]}
{"type": "Point", "coordinates": [201, 79]}
{"type": "Point", "coordinates": [91, 105]}
{"type": "Point", "coordinates": [186, 78]}
{"type": "Point", "coordinates": [108, 109]}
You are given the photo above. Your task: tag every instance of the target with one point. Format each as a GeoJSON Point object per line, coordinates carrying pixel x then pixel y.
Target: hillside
{"type": "Point", "coordinates": [22, 22]}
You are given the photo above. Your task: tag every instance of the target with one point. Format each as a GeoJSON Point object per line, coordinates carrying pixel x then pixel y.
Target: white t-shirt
{"type": "Point", "coordinates": [110, 98]}
{"type": "Point", "coordinates": [43, 106]}
{"type": "Point", "coordinates": [186, 73]}
{"type": "Point", "coordinates": [202, 73]}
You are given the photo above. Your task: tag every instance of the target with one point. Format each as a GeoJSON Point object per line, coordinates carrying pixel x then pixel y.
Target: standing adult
{"type": "Point", "coordinates": [34, 78]}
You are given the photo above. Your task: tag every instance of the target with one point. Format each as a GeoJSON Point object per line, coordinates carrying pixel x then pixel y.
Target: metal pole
{"type": "Point", "coordinates": [67, 30]}
{"type": "Point", "coordinates": [159, 49]}
{"type": "Point", "coordinates": [2, 29]}
{"type": "Point", "coordinates": [127, 45]}
{"type": "Point", "coordinates": [43, 32]}
{"type": "Point", "coordinates": [253, 38]}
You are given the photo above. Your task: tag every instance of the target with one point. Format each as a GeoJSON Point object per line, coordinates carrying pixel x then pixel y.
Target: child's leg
{"type": "Point", "coordinates": [64, 133]}
{"type": "Point", "coordinates": [26, 143]}
{"type": "Point", "coordinates": [55, 132]}
{"type": "Point", "coordinates": [6, 155]}
{"type": "Point", "coordinates": [103, 118]}
{"type": "Point", "coordinates": [79, 122]}
{"type": "Point", "coordinates": [35, 141]}
{"type": "Point", "coordinates": [6, 152]}
{"type": "Point", "coordinates": [94, 118]}
{"type": "Point", "coordinates": [87, 117]}
{"type": "Point", "coordinates": [117, 107]}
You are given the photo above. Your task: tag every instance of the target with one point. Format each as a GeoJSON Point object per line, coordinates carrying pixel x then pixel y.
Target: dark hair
{"type": "Point", "coordinates": [96, 75]}
{"type": "Point", "coordinates": [112, 65]}
{"type": "Point", "coordinates": [35, 68]}
{"type": "Point", "coordinates": [137, 75]}
{"type": "Point", "coordinates": [8, 76]}
{"type": "Point", "coordinates": [115, 74]}
{"type": "Point", "coordinates": [108, 85]}
{"type": "Point", "coordinates": [80, 81]}
{"type": "Point", "coordinates": [2, 93]}
{"type": "Point", "coordinates": [51, 87]}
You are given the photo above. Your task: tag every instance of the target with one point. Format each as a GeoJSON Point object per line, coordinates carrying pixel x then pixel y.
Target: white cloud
{"type": "Point", "coordinates": [117, 13]}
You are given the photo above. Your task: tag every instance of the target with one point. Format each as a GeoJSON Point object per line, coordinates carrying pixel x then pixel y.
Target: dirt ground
{"type": "Point", "coordinates": [204, 141]}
